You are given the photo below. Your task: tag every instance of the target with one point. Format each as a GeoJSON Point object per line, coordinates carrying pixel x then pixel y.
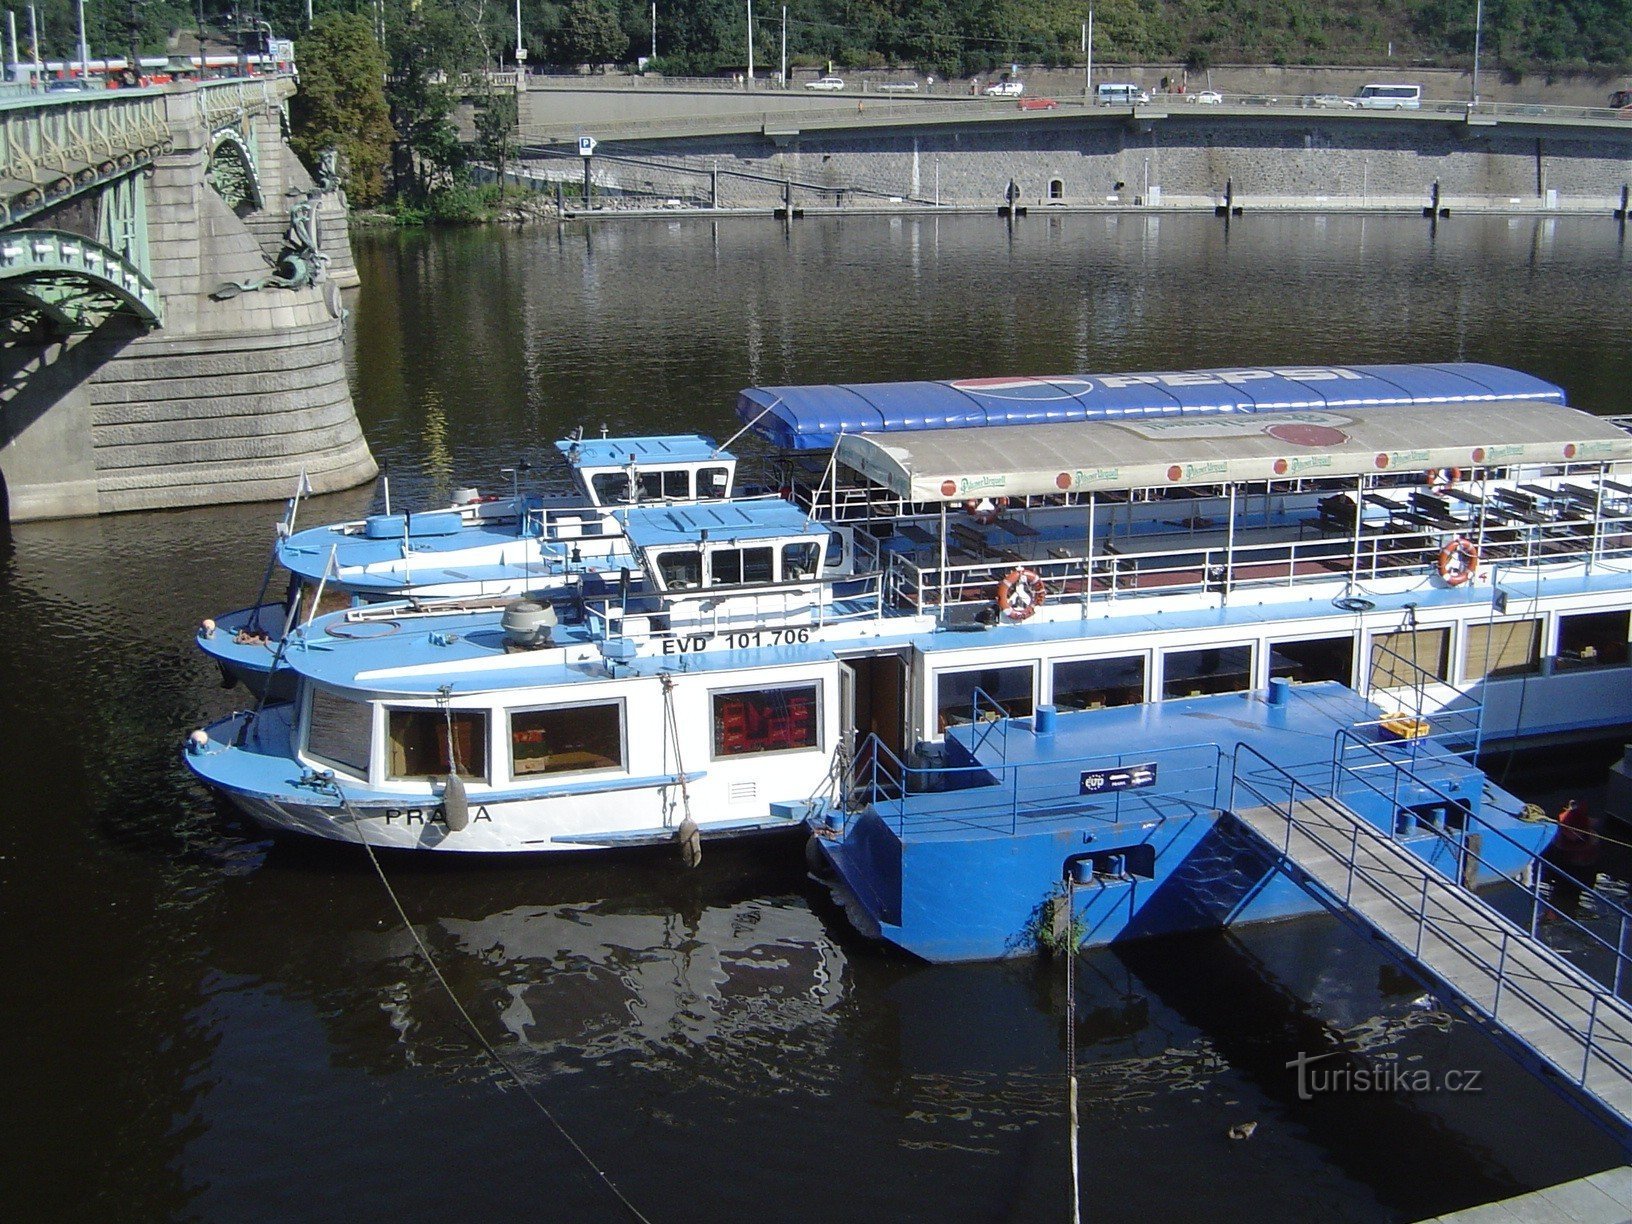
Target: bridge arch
{"type": "Point", "coordinates": [232, 171]}
{"type": "Point", "coordinates": [66, 282]}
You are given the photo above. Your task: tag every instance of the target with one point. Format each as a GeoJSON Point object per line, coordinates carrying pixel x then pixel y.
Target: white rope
{"type": "Point", "coordinates": [470, 1023]}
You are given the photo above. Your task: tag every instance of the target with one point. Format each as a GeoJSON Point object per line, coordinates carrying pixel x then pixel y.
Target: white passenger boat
{"type": "Point", "coordinates": [479, 548]}
{"type": "Point", "coordinates": [1471, 569]}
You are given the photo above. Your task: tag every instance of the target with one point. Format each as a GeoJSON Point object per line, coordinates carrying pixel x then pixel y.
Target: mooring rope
{"type": "Point", "coordinates": [1071, 1038]}
{"type": "Point", "coordinates": [470, 1023]}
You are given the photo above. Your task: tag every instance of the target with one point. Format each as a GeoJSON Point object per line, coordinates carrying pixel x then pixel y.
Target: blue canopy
{"type": "Point", "coordinates": [812, 418]}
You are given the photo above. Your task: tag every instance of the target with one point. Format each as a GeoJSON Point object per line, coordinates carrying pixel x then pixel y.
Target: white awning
{"type": "Point", "coordinates": [1037, 460]}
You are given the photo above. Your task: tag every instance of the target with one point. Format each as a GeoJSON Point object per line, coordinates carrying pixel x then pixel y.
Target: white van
{"type": "Point", "coordinates": [1389, 97]}
{"type": "Point", "coordinates": [1120, 95]}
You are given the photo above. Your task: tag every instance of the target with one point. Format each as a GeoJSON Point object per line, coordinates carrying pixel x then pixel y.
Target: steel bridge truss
{"type": "Point", "coordinates": [53, 148]}
{"type": "Point", "coordinates": [69, 283]}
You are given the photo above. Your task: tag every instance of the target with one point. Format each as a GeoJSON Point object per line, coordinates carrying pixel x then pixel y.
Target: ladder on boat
{"type": "Point", "coordinates": [1529, 993]}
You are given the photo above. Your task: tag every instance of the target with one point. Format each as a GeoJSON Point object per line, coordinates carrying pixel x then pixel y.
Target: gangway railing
{"type": "Point", "coordinates": [1499, 970]}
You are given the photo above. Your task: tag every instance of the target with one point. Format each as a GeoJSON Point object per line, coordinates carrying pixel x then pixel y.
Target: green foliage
{"type": "Point", "coordinates": [341, 103]}
{"type": "Point", "coordinates": [590, 33]}
{"type": "Point", "coordinates": [428, 46]}
{"type": "Point", "coordinates": [496, 118]}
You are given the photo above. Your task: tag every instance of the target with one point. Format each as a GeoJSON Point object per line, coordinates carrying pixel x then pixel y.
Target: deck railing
{"type": "Point", "coordinates": [1285, 551]}
{"type": "Point", "coordinates": [998, 797]}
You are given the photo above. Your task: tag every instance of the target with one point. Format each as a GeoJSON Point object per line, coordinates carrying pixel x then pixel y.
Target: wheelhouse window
{"type": "Point", "coordinates": [713, 482]}
{"type": "Point", "coordinates": [1212, 669]}
{"type": "Point", "coordinates": [1400, 660]}
{"type": "Point", "coordinates": [1012, 688]}
{"type": "Point", "coordinates": [737, 566]}
{"type": "Point", "coordinates": [1092, 684]}
{"type": "Point", "coordinates": [1313, 659]}
{"type": "Point", "coordinates": [1506, 648]}
{"type": "Point", "coordinates": [800, 560]}
{"type": "Point", "coordinates": [1593, 639]}
{"type": "Point", "coordinates": [766, 720]}
{"type": "Point", "coordinates": [418, 741]}
{"type": "Point", "coordinates": [339, 731]}
{"type": "Point", "coordinates": [569, 739]}
{"type": "Point", "coordinates": [663, 484]}
{"type": "Point", "coordinates": [681, 569]}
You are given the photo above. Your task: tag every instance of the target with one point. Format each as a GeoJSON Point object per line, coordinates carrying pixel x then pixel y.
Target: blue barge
{"type": "Point", "coordinates": [965, 860]}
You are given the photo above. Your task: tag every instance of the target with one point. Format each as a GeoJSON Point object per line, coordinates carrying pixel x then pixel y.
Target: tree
{"type": "Point", "coordinates": [590, 34]}
{"type": "Point", "coordinates": [341, 103]}
{"type": "Point", "coordinates": [496, 117]}
{"type": "Point", "coordinates": [429, 46]}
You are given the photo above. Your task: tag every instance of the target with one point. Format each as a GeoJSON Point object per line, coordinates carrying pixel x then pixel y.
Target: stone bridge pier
{"type": "Point", "coordinates": [233, 387]}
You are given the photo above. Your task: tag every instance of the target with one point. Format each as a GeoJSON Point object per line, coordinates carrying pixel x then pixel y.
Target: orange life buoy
{"type": "Point", "coordinates": [1440, 479]}
{"type": "Point", "coordinates": [1458, 561]}
{"type": "Point", "coordinates": [984, 510]}
{"type": "Point", "coordinates": [1020, 594]}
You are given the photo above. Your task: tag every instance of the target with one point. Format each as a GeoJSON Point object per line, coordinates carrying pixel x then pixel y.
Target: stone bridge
{"type": "Point", "coordinates": [170, 282]}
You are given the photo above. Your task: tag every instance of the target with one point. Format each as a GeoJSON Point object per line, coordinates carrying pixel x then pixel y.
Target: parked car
{"type": "Point", "coordinates": [830, 84]}
{"type": "Point", "coordinates": [1620, 98]}
{"type": "Point", "coordinates": [1208, 97]}
{"type": "Point", "coordinates": [1037, 104]}
{"type": "Point", "coordinates": [1005, 89]}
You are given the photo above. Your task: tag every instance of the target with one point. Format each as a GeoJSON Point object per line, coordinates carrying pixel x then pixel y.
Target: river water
{"type": "Point", "coordinates": [207, 1024]}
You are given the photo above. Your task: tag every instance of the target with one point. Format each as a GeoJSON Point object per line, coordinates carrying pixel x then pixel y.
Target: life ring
{"type": "Point", "coordinates": [1020, 594]}
{"type": "Point", "coordinates": [984, 510]}
{"type": "Point", "coordinates": [1440, 479]}
{"type": "Point", "coordinates": [1458, 561]}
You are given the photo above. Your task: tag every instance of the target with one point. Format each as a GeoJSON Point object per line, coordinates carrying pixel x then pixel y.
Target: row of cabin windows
{"type": "Point", "coordinates": [561, 740]}
{"type": "Point", "coordinates": [660, 484]}
{"type": "Point", "coordinates": [734, 566]}
{"type": "Point", "coordinates": [1490, 649]}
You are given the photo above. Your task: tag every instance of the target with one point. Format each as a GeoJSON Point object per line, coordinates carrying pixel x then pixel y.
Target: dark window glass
{"type": "Point", "coordinates": [340, 731]}
{"type": "Point", "coordinates": [1011, 687]}
{"type": "Point", "coordinates": [566, 740]}
{"type": "Point", "coordinates": [1315, 659]}
{"type": "Point", "coordinates": [1213, 669]}
{"type": "Point", "coordinates": [774, 720]}
{"type": "Point", "coordinates": [800, 560]}
{"type": "Point", "coordinates": [419, 743]}
{"type": "Point", "coordinates": [681, 569]}
{"type": "Point", "coordinates": [1593, 639]}
{"type": "Point", "coordinates": [1089, 684]}
{"type": "Point", "coordinates": [725, 565]}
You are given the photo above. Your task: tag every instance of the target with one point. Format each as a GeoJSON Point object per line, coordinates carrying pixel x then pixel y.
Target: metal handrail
{"type": "Point", "coordinates": [1590, 1039]}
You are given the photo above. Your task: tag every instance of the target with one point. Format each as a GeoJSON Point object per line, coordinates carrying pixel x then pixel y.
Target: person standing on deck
{"type": "Point", "coordinates": [1572, 858]}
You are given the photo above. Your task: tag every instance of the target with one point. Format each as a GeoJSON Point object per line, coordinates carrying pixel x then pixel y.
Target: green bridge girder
{"type": "Point", "coordinates": [53, 147]}
{"type": "Point", "coordinates": [70, 282]}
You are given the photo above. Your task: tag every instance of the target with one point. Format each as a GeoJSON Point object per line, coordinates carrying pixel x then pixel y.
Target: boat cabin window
{"type": "Point", "coordinates": [714, 482]}
{"type": "Point", "coordinates": [1012, 688]}
{"type": "Point", "coordinates": [1506, 648]}
{"type": "Point", "coordinates": [681, 569]}
{"type": "Point", "coordinates": [1402, 660]}
{"type": "Point", "coordinates": [650, 484]}
{"type": "Point", "coordinates": [418, 743]}
{"type": "Point", "coordinates": [1212, 669]}
{"type": "Point", "coordinates": [766, 720]}
{"type": "Point", "coordinates": [340, 732]}
{"type": "Point", "coordinates": [1313, 659]}
{"type": "Point", "coordinates": [1593, 639]}
{"type": "Point", "coordinates": [567, 739]}
{"type": "Point", "coordinates": [801, 560]}
{"type": "Point", "coordinates": [736, 566]}
{"type": "Point", "coordinates": [834, 556]}
{"type": "Point", "coordinates": [1092, 684]}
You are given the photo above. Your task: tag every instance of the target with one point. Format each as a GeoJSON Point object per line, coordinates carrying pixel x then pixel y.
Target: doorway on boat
{"type": "Point", "coordinates": [873, 717]}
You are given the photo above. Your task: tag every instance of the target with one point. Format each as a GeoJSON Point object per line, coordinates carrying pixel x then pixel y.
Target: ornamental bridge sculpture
{"type": "Point", "coordinates": [170, 311]}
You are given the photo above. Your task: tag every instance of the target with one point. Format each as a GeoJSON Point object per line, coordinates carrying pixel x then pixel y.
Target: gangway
{"type": "Point", "coordinates": [1522, 989]}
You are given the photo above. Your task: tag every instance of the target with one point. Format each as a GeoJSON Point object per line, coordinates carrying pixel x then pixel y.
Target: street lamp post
{"type": "Point", "coordinates": [1478, 27]}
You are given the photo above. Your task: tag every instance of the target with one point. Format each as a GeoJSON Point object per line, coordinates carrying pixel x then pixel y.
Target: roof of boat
{"type": "Point", "coordinates": [813, 417]}
{"type": "Point", "coordinates": [653, 451]}
{"type": "Point", "coordinates": [757, 519]}
{"type": "Point", "coordinates": [1173, 451]}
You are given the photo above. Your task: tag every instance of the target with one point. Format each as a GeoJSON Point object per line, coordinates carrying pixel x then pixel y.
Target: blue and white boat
{"type": "Point", "coordinates": [480, 548]}
{"type": "Point", "coordinates": [1452, 580]}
